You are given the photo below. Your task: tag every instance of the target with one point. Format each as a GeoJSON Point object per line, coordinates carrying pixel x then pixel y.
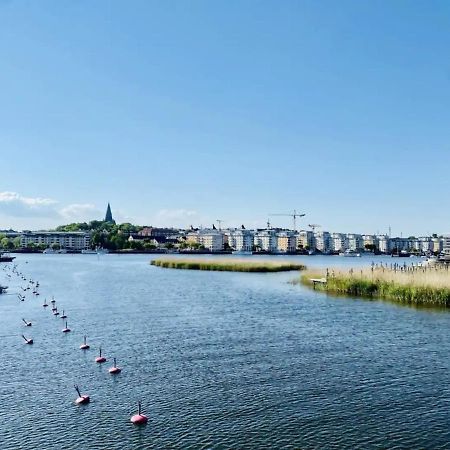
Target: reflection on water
{"type": "Point", "coordinates": [220, 360]}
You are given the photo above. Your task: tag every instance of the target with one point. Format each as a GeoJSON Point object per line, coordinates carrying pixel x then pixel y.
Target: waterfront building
{"type": "Point", "coordinates": [210, 238]}
{"type": "Point", "coordinates": [305, 240]}
{"type": "Point", "coordinates": [73, 240]}
{"type": "Point", "coordinates": [369, 239]}
{"type": "Point", "coordinates": [355, 242]}
{"type": "Point", "coordinates": [266, 240]}
{"type": "Point", "coordinates": [446, 244]}
{"type": "Point", "coordinates": [240, 240]}
{"type": "Point", "coordinates": [399, 244]}
{"type": "Point", "coordinates": [383, 243]}
{"type": "Point", "coordinates": [437, 244]}
{"type": "Point", "coordinates": [424, 244]}
{"type": "Point", "coordinates": [154, 232]}
{"type": "Point", "coordinates": [323, 241]}
{"type": "Point", "coordinates": [339, 242]}
{"type": "Point", "coordinates": [286, 242]}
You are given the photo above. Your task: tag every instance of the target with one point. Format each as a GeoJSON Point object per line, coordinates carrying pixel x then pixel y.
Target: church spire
{"type": "Point", "coordinates": [108, 216]}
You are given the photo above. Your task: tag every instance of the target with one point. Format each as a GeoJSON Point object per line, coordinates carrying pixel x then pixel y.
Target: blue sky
{"type": "Point", "coordinates": [181, 112]}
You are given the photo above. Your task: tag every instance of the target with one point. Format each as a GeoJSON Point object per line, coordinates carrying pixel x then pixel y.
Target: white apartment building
{"type": "Point", "coordinates": [437, 244]}
{"type": "Point", "coordinates": [383, 243]}
{"type": "Point", "coordinates": [424, 244]}
{"type": "Point", "coordinates": [305, 239]}
{"type": "Point", "coordinates": [446, 244]}
{"type": "Point", "coordinates": [355, 242]}
{"type": "Point", "coordinates": [266, 240]}
{"type": "Point", "coordinates": [209, 238]}
{"type": "Point", "coordinates": [241, 239]}
{"type": "Point", "coordinates": [338, 242]}
{"type": "Point", "coordinates": [74, 240]}
{"type": "Point", "coordinates": [323, 241]}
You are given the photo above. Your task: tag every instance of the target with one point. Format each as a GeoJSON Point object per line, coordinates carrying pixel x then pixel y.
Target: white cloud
{"type": "Point", "coordinates": [80, 212]}
{"type": "Point", "coordinates": [30, 211]}
{"type": "Point", "coordinates": [178, 218]}
{"type": "Point", "coordinates": [16, 205]}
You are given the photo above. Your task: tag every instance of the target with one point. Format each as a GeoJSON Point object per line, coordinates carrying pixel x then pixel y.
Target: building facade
{"type": "Point", "coordinates": [74, 240]}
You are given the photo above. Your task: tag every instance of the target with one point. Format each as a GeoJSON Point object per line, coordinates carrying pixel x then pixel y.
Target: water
{"type": "Point", "coordinates": [220, 360]}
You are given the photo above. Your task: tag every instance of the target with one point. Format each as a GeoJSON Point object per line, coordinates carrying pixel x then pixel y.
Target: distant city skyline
{"type": "Point", "coordinates": [183, 113]}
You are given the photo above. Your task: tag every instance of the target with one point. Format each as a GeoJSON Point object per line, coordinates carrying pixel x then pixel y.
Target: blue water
{"type": "Point", "coordinates": [219, 360]}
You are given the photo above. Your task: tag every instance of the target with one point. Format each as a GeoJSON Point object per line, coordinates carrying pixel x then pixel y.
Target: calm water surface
{"type": "Point", "coordinates": [220, 361]}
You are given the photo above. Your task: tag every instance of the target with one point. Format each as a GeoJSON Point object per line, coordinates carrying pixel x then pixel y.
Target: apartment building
{"type": "Point", "coordinates": [305, 239]}
{"type": "Point", "coordinates": [338, 242]}
{"type": "Point", "coordinates": [286, 242]}
{"type": "Point", "coordinates": [266, 240]}
{"type": "Point", "coordinates": [355, 242]}
{"type": "Point", "coordinates": [240, 239]}
{"type": "Point", "coordinates": [209, 238]}
{"type": "Point", "coordinates": [323, 241]}
{"type": "Point", "coordinates": [74, 240]}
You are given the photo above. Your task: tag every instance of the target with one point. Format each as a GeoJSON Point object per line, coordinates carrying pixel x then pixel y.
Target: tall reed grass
{"type": "Point", "coordinates": [226, 265]}
{"type": "Point", "coordinates": [414, 286]}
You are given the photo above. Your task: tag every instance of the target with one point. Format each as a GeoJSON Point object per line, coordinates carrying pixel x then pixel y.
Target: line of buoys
{"type": "Point", "coordinates": [137, 419]}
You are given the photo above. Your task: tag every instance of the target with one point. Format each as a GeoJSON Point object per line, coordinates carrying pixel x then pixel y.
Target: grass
{"type": "Point", "coordinates": [225, 265]}
{"type": "Point", "coordinates": [411, 286]}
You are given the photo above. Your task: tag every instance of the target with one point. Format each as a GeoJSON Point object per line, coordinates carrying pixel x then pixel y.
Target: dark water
{"type": "Point", "coordinates": [220, 360]}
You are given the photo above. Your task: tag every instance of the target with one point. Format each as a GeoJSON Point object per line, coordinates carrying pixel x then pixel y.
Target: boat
{"type": "Point", "coordinates": [242, 252]}
{"type": "Point", "coordinates": [96, 251]}
{"type": "Point", "coordinates": [52, 251]}
{"type": "Point", "coordinates": [350, 253]}
{"type": "Point", "coordinates": [6, 257]}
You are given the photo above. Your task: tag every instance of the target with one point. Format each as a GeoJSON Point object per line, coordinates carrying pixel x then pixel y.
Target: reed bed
{"type": "Point", "coordinates": [419, 286]}
{"type": "Point", "coordinates": [224, 265]}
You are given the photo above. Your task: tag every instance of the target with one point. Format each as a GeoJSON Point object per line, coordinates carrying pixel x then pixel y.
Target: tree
{"type": "Point", "coordinates": [16, 242]}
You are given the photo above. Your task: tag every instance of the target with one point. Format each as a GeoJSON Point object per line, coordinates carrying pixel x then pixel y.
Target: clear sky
{"type": "Point", "coordinates": [181, 112]}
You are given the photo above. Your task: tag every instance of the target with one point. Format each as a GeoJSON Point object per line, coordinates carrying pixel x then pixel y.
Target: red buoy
{"type": "Point", "coordinates": [114, 369]}
{"type": "Point", "coordinates": [139, 418]}
{"type": "Point", "coordinates": [100, 358]}
{"type": "Point", "coordinates": [84, 346]}
{"type": "Point", "coordinates": [82, 399]}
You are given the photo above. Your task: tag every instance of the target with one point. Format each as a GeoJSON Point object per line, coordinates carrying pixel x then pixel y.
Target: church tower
{"type": "Point", "coordinates": [108, 216]}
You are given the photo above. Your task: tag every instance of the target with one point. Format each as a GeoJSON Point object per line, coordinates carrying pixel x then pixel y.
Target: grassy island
{"type": "Point", "coordinates": [226, 265]}
{"type": "Point", "coordinates": [408, 285]}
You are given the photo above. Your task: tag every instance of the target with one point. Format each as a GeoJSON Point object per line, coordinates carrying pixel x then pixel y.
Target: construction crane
{"type": "Point", "coordinates": [294, 216]}
{"type": "Point", "coordinates": [313, 226]}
